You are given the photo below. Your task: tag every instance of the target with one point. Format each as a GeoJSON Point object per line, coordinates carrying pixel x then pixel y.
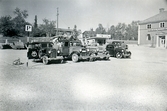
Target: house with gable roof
{"type": "Point", "coordinates": [153, 31]}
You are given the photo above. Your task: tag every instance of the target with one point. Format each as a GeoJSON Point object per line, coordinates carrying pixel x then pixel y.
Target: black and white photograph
{"type": "Point", "coordinates": [83, 55]}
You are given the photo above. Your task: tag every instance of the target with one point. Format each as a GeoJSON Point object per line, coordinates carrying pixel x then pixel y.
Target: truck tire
{"type": "Point", "coordinates": [75, 57]}
{"type": "Point", "coordinates": [45, 60]}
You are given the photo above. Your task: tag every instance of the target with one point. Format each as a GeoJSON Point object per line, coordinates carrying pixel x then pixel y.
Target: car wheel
{"type": "Point", "coordinates": [106, 58]}
{"type": "Point", "coordinates": [118, 55]}
{"type": "Point", "coordinates": [92, 57]}
{"type": "Point", "coordinates": [75, 57]}
{"type": "Point", "coordinates": [61, 61]}
{"type": "Point", "coordinates": [45, 60]}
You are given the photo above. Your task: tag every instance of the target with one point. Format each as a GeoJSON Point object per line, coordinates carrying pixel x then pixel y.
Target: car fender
{"type": "Point", "coordinates": [74, 52]}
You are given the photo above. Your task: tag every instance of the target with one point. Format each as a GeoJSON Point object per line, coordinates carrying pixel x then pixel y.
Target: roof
{"type": "Point", "coordinates": [101, 36]}
{"type": "Point", "coordinates": [64, 30]}
{"type": "Point", "coordinates": [161, 17]}
{"type": "Point", "coordinates": [97, 38]}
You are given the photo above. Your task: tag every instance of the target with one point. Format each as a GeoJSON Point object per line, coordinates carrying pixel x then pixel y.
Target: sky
{"type": "Point", "coordinates": [85, 14]}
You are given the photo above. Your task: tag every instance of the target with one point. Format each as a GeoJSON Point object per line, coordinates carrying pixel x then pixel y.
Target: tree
{"type": "Point", "coordinates": [21, 14]}
{"type": "Point", "coordinates": [75, 32]}
{"type": "Point", "coordinates": [112, 32]}
{"type": "Point", "coordinates": [48, 27]}
{"type": "Point", "coordinates": [132, 31]}
{"type": "Point", "coordinates": [7, 26]}
{"type": "Point", "coordinates": [100, 29]}
{"type": "Point", "coordinates": [16, 26]}
{"type": "Point", "coordinates": [120, 31]}
{"type": "Point", "coordinates": [20, 22]}
{"type": "Point", "coordinates": [35, 23]}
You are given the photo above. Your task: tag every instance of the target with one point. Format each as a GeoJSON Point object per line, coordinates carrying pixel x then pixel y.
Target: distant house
{"type": "Point", "coordinates": [153, 31]}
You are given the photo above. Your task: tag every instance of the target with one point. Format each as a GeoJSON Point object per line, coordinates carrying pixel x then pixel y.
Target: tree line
{"type": "Point", "coordinates": [15, 27]}
{"type": "Point", "coordinates": [121, 31]}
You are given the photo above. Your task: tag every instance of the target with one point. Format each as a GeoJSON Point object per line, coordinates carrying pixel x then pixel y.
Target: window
{"type": "Point", "coordinates": [148, 37]}
{"type": "Point", "coordinates": [44, 45]}
{"type": "Point", "coordinates": [148, 26]}
{"type": "Point", "coordinates": [162, 24]}
{"type": "Point", "coordinates": [66, 44]}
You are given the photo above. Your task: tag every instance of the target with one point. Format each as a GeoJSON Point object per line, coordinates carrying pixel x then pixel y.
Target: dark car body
{"type": "Point", "coordinates": [43, 51]}
{"type": "Point", "coordinates": [118, 49]}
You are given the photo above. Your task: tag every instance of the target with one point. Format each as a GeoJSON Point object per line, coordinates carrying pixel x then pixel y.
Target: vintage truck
{"type": "Point", "coordinates": [72, 48]}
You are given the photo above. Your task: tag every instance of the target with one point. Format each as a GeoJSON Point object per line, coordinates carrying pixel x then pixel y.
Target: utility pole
{"type": "Point", "coordinates": [57, 20]}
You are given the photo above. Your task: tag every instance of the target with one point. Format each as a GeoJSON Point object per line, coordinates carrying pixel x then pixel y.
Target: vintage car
{"type": "Point", "coordinates": [100, 52]}
{"type": "Point", "coordinates": [73, 49]}
{"type": "Point", "coordinates": [43, 51]}
{"type": "Point", "coordinates": [118, 49]}
{"type": "Point", "coordinates": [18, 45]}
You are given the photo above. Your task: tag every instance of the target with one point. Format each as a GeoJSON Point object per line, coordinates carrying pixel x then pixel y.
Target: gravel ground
{"type": "Point", "coordinates": [136, 84]}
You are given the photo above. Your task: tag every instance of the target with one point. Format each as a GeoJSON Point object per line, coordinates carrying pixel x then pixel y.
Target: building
{"type": "Point", "coordinates": [99, 39]}
{"type": "Point", "coordinates": [153, 31]}
{"type": "Point", "coordinates": [61, 31]}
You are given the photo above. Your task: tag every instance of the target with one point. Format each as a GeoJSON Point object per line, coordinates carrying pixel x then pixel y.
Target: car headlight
{"type": "Point", "coordinates": [49, 51]}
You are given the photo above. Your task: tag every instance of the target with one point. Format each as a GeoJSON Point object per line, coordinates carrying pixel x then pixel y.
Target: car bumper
{"type": "Point", "coordinates": [127, 54]}
{"type": "Point", "coordinates": [57, 58]}
{"type": "Point", "coordinates": [103, 55]}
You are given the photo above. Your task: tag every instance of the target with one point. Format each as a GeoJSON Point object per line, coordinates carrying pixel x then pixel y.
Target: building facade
{"type": "Point", "coordinates": [153, 31]}
{"type": "Point", "coordinates": [99, 39]}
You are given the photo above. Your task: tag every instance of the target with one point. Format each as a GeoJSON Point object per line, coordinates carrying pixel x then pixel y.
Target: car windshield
{"type": "Point", "coordinates": [110, 46]}
{"type": "Point", "coordinates": [43, 45]}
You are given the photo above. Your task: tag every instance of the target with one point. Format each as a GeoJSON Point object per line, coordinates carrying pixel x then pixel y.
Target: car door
{"type": "Point", "coordinates": [65, 48]}
{"type": "Point", "coordinates": [110, 49]}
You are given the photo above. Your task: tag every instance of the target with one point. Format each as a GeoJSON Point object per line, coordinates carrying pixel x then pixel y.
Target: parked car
{"type": "Point", "coordinates": [18, 45]}
{"type": "Point", "coordinates": [118, 49]}
{"type": "Point", "coordinates": [100, 52]}
{"type": "Point", "coordinates": [43, 51]}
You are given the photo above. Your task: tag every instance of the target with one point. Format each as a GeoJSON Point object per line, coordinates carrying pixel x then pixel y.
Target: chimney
{"type": "Point", "coordinates": [161, 10]}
